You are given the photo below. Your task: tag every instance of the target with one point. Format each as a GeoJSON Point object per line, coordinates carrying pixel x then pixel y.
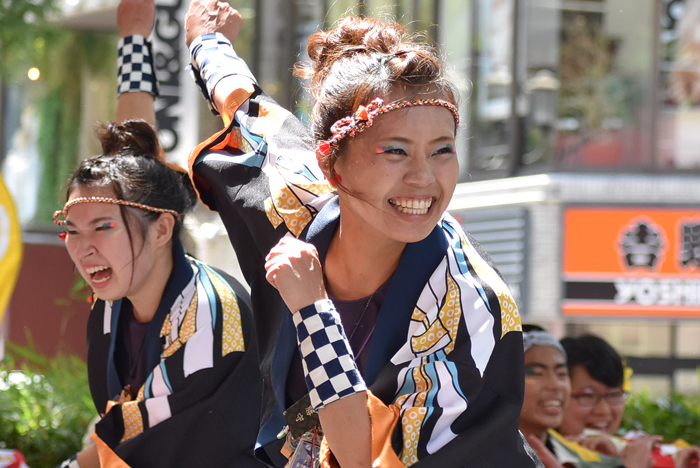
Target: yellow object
{"type": "Point", "coordinates": [626, 379]}
{"type": "Point", "coordinates": [10, 247]}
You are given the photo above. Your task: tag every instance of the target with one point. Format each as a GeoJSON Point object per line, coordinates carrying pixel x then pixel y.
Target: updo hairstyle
{"type": "Point", "coordinates": [131, 166]}
{"type": "Point", "coordinates": [365, 58]}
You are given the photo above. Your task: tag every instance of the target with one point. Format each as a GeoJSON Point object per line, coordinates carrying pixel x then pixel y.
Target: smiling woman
{"type": "Point", "coordinates": [373, 307]}
{"type": "Point", "coordinates": [170, 339]}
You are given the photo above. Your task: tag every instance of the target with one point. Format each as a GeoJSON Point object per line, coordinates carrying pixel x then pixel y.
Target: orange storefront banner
{"type": "Point", "coordinates": [631, 261]}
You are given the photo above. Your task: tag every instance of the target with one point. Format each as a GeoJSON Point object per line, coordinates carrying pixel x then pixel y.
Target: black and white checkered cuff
{"type": "Point", "coordinates": [329, 365]}
{"type": "Point", "coordinates": [215, 59]}
{"type": "Point", "coordinates": [72, 462]}
{"type": "Point", "coordinates": [135, 66]}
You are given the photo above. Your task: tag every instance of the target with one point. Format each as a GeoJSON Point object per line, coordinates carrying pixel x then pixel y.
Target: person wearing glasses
{"type": "Point", "coordinates": [598, 396]}
{"type": "Point", "coordinates": [547, 396]}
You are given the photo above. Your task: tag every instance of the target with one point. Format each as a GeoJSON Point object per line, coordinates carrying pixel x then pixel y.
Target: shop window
{"type": "Point", "coordinates": [678, 138]}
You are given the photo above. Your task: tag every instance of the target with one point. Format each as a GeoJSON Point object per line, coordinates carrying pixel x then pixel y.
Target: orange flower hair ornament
{"type": "Point", "coordinates": [364, 116]}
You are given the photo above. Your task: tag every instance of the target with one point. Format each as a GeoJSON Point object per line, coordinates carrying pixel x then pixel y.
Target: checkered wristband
{"type": "Point", "coordinates": [215, 59]}
{"type": "Point", "coordinates": [136, 71]}
{"type": "Point", "coordinates": [329, 366]}
{"type": "Point", "coordinates": [72, 462]}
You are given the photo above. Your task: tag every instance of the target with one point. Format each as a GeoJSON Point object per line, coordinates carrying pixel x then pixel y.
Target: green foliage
{"type": "Point", "coordinates": [45, 406]}
{"type": "Point", "coordinates": [22, 32]}
{"type": "Point", "coordinates": [673, 417]}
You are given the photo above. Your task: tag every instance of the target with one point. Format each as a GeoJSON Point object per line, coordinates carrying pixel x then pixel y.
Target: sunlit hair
{"type": "Point", "coordinates": [131, 168]}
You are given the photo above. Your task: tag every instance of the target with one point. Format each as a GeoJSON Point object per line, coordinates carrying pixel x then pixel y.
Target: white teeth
{"type": "Point", "coordinates": [552, 403]}
{"type": "Point", "coordinates": [92, 270]}
{"type": "Point", "coordinates": [411, 206]}
{"type": "Point", "coordinates": [102, 280]}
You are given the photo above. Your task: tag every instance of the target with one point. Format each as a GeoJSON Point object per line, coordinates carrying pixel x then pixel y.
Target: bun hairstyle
{"type": "Point", "coordinates": [131, 165]}
{"type": "Point", "coordinates": [361, 59]}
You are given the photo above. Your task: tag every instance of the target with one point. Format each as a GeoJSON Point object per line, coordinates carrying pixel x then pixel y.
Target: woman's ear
{"type": "Point", "coordinates": [322, 165]}
{"type": "Point", "coordinates": [329, 173]}
{"type": "Point", "coordinates": [162, 229]}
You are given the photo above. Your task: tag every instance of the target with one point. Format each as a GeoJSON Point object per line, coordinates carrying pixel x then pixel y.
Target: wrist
{"type": "Point", "coordinates": [213, 59]}
{"type": "Point", "coordinates": [136, 70]}
{"type": "Point", "coordinates": [330, 370]}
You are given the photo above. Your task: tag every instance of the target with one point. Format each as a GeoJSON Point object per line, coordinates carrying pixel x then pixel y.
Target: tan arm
{"type": "Point", "coordinates": [351, 447]}
{"type": "Point", "coordinates": [136, 17]}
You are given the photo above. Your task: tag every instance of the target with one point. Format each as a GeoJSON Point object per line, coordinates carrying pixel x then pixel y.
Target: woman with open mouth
{"type": "Point", "coordinates": [170, 339]}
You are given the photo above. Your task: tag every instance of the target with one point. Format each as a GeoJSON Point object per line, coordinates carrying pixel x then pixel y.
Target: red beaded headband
{"type": "Point", "coordinates": [112, 201]}
{"type": "Point", "coordinates": [364, 116]}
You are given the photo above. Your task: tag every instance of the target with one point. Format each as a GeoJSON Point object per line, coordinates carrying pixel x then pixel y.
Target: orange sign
{"type": "Point", "coordinates": [631, 261]}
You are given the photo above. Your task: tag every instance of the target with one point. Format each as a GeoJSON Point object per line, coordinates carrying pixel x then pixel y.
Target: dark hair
{"type": "Point", "coordinates": [597, 356]}
{"type": "Point", "coordinates": [528, 327]}
{"type": "Point", "coordinates": [131, 167]}
{"type": "Point", "coordinates": [363, 58]}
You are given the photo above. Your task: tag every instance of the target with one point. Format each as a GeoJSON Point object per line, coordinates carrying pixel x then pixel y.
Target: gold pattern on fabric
{"type": "Point", "coordinates": [187, 329]}
{"type": "Point", "coordinates": [445, 324]}
{"type": "Point", "coordinates": [236, 142]}
{"type": "Point", "coordinates": [165, 329]}
{"type": "Point", "coordinates": [286, 205]}
{"type": "Point", "coordinates": [510, 315]}
{"type": "Point", "coordinates": [274, 218]}
{"type": "Point", "coordinates": [411, 424]}
{"type": "Point", "coordinates": [412, 417]}
{"type": "Point", "coordinates": [232, 337]}
{"type": "Point", "coordinates": [133, 422]}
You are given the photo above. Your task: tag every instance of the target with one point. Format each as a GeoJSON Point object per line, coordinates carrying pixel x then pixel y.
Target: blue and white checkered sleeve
{"type": "Point", "coordinates": [329, 365]}
{"type": "Point", "coordinates": [215, 59]}
{"type": "Point", "coordinates": [135, 66]}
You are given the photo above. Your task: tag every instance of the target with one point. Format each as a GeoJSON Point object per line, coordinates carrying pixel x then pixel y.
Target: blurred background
{"type": "Point", "coordinates": [580, 155]}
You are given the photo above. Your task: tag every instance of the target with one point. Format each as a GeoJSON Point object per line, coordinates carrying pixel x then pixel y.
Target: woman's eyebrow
{"type": "Point", "coordinates": [401, 139]}
{"type": "Point", "coordinates": [92, 222]}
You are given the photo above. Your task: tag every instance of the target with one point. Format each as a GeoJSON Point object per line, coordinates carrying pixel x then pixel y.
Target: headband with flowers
{"type": "Point", "coordinates": [112, 201]}
{"type": "Point", "coordinates": [364, 116]}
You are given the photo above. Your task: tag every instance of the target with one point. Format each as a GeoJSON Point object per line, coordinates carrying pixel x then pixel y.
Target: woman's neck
{"type": "Point", "coordinates": [359, 261]}
{"type": "Point", "coordinates": [146, 299]}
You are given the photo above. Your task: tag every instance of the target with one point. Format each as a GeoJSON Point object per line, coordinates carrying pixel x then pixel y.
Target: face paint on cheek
{"type": "Point", "coordinates": [108, 227]}
{"type": "Point", "coordinates": [530, 380]}
{"type": "Point", "coordinates": [113, 234]}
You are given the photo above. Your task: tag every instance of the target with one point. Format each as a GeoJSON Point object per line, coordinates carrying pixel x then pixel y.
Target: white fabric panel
{"type": "Point", "coordinates": [158, 385]}
{"type": "Point", "coordinates": [478, 319]}
{"type": "Point", "coordinates": [452, 404]}
{"type": "Point", "coordinates": [203, 318]}
{"type": "Point", "coordinates": [158, 410]}
{"type": "Point", "coordinates": [199, 349]}
{"type": "Point", "coordinates": [107, 317]}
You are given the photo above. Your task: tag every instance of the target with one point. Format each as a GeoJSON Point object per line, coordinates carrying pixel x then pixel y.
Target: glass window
{"type": "Point", "coordinates": [678, 139]}
{"type": "Point", "coordinates": [455, 36]}
{"type": "Point", "coordinates": [492, 75]}
{"type": "Point", "coordinates": [588, 80]}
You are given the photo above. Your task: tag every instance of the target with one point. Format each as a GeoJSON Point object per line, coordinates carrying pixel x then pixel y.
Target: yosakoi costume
{"type": "Point", "coordinates": [199, 403]}
{"type": "Point", "coordinates": [445, 359]}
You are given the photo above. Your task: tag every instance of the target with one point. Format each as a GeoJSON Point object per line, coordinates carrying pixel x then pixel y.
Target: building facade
{"type": "Point", "coordinates": [580, 156]}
